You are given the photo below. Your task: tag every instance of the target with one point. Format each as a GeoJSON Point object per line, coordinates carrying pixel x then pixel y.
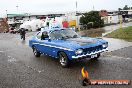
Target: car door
{"type": "Point", "coordinates": [38, 42]}
{"type": "Point", "coordinates": [45, 46]}
{"type": "Point", "coordinates": [49, 47]}
{"type": "Point", "coordinates": [42, 45]}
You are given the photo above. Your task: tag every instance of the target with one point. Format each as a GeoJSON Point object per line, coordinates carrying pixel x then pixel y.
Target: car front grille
{"type": "Point", "coordinates": [93, 49]}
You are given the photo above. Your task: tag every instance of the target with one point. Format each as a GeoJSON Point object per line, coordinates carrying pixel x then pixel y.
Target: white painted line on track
{"type": "Point", "coordinates": [1, 51]}
{"type": "Point", "coordinates": [118, 57]}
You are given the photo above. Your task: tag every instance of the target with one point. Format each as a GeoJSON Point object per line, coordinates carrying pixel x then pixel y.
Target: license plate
{"type": "Point", "coordinates": [94, 55]}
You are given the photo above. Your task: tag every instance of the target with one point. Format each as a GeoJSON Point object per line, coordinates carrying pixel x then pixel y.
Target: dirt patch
{"type": "Point", "coordinates": [92, 32]}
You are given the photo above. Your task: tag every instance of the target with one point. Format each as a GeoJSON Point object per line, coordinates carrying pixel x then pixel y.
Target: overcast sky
{"type": "Point", "coordinates": [31, 6]}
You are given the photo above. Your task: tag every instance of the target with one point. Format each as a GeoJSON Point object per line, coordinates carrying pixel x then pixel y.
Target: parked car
{"type": "Point", "coordinates": [12, 30]}
{"type": "Point", "coordinates": [66, 45]}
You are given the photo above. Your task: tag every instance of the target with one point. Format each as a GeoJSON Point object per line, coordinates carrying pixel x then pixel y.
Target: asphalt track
{"type": "Point", "coordinates": [19, 68]}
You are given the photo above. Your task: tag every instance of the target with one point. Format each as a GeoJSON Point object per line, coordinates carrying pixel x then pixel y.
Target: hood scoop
{"type": "Point", "coordinates": [82, 41]}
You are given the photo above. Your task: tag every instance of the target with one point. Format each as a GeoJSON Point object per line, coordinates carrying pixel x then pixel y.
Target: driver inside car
{"type": "Point", "coordinates": [44, 36]}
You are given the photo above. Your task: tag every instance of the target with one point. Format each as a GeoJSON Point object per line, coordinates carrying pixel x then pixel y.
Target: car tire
{"type": "Point", "coordinates": [96, 58]}
{"type": "Point", "coordinates": [63, 59]}
{"type": "Point", "coordinates": [36, 52]}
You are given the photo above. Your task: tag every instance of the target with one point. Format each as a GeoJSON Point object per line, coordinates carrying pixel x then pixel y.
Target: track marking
{"type": "Point", "coordinates": [118, 57]}
{"type": "Point", "coordinates": [11, 59]}
{"type": "Point", "coordinates": [1, 51]}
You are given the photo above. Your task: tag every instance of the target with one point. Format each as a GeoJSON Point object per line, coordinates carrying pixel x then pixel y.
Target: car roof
{"type": "Point", "coordinates": [52, 30]}
{"type": "Point", "coordinates": [49, 30]}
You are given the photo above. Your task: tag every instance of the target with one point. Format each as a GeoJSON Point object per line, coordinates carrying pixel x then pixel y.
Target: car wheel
{"type": "Point", "coordinates": [36, 53]}
{"type": "Point", "coordinates": [63, 59]}
{"type": "Point", "coordinates": [96, 58]}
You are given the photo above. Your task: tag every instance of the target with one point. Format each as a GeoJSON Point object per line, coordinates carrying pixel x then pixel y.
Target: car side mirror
{"type": "Point", "coordinates": [49, 39]}
{"type": "Point", "coordinates": [46, 38]}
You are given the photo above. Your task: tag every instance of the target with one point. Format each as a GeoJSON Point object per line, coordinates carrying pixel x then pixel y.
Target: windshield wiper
{"type": "Point", "coordinates": [75, 36]}
{"type": "Point", "coordinates": [66, 37]}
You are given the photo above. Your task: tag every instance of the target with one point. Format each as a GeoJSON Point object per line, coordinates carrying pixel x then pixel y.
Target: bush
{"type": "Point", "coordinates": [92, 19]}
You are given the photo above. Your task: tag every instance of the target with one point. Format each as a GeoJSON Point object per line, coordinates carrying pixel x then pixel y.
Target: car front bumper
{"type": "Point", "coordinates": [89, 54]}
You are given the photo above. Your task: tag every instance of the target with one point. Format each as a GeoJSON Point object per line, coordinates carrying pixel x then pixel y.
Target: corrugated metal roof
{"type": "Point", "coordinates": [15, 15]}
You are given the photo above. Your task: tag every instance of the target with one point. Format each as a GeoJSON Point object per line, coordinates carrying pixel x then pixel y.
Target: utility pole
{"type": "Point", "coordinates": [17, 8]}
{"type": "Point", "coordinates": [6, 14]}
{"type": "Point", "coordinates": [76, 7]}
{"type": "Point", "coordinates": [93, 7]}
{"type": "Point", "coordinates": [121, 20]}
{"type": "Point", "coordinates": [77, 26]}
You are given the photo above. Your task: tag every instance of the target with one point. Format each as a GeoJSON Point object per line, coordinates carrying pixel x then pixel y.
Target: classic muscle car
{"type": "Point", "coordinates": [66, 45]}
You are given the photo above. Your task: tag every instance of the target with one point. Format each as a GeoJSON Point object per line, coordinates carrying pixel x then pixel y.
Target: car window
{"type": "Point", "coordinates": [55, 35]}
{"type": "Point", "coordinates": [39, 35]}
{"type": "Point", "coordinates": [44, 35]}
{"type": "Point", "coordinates": [63, 34]}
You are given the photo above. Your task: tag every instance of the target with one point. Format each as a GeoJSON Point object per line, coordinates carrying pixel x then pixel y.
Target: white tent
{"type": "Point", "coordinates": [32, 25]}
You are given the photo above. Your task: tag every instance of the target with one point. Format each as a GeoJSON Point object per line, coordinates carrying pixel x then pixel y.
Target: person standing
{"type": "Point", "coordinates": [22, 33]}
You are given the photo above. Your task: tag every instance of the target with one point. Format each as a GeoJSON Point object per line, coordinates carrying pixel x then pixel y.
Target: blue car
{"type": "Point", "coordinates": [66, 45]}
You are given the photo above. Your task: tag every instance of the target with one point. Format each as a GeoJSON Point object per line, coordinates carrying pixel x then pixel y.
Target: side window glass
{"type": "Point", "coordinates": [44, 35]}
{"type": "Point", "coordinates": [39, 35]}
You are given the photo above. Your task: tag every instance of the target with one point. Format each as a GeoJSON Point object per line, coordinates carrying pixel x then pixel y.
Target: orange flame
{"type": "Point", "coordinates": [84, 73]}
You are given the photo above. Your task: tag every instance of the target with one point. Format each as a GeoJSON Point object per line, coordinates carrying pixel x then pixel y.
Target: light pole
{"type": "Point", "coordinates": [6, 14]}
{"type": "Point", "coordinates": [17, 8]}
{"type": "Point", "coordinates": [76, 7]}
{"type": "Point", "coordinates": [77, 26]}
{"type": "Point", "coordinates": [93, 7]}
{"type": "Point", "coordinates": [120, 19]}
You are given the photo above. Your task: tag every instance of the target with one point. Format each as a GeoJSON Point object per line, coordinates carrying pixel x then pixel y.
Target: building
{"type": "Point", "coordinates": [3, 25]}
{"type": "Point", "coordinates": [103, 13]}
{"type": "Point", "coordinates": [15, 20]}
{"type": "Point", "coordinates": [126, 14]}
{"type": "Point", "coordinates": [109, 17]}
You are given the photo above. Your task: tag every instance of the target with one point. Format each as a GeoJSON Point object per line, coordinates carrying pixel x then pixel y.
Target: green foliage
{"type": "Point", "coordinates": [92, 19]}
{"type": "Point", "coordinates": [119, 9]}
{"type": "Point", "coordinates": [126, 7]}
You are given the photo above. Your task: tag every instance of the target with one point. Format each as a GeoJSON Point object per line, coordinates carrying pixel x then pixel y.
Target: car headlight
{"type": "Point", "coordinates": [105, 45]}
{"type": "Point", "coordinates": [79, 51]}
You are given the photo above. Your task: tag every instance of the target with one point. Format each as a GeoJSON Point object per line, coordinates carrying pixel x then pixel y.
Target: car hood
{"type": "Point", "coordinates": [83, 42]}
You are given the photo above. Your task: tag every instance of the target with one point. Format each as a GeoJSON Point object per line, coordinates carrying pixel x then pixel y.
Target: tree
{"type": "Point", "coordinates": [119, 9]}
{"type": "Point", "coordinates": [126, 7]}
{"type": "Point", "coordinates": [92, 19]}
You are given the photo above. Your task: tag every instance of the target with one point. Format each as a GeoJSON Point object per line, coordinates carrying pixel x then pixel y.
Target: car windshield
{"type": "Point", "coordinates": [63, 34]}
